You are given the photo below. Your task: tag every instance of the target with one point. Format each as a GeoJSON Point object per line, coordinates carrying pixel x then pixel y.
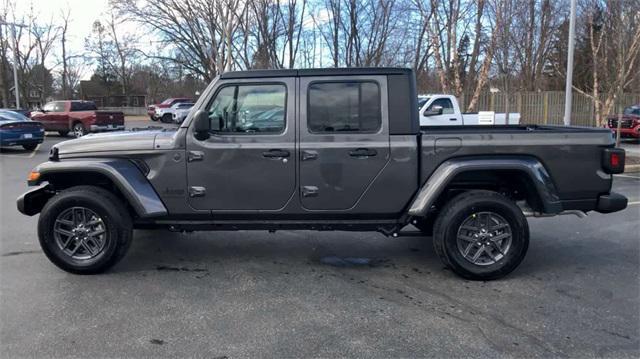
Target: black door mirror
{"type": "Point", "coordinates": [201, 125]}
{"type": "Point", "coordinates": [433, 111]}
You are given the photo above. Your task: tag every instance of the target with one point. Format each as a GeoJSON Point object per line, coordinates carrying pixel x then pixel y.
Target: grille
{"type": "Point", "coordinates": [623, 124]}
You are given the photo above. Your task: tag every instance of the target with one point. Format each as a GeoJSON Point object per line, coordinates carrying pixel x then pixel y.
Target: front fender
{"type": "Point", "coordinates": [124, 174]}
{"type": "Point", "coordinates": [443, 175]}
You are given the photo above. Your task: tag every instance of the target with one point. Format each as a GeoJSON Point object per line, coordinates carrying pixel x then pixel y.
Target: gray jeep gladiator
{"type": "Point", "coordinates": [320, 149]}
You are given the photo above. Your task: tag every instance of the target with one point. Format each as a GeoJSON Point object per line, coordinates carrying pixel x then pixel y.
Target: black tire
{"type": "Point", "coordinates": [30, 147]}
{"type": "Point", "coordinates": [466, 205]}
{"type": "Point", "coordinates": [153, 118]}
{"type": "Point", "coordinates": [63, 133]}
{"type": "Point", "coordinates": [167, 118]}
{"type": "Point", "coordinates": [78, 130]}
{"type": "Point", "coordinates": [116, 222]}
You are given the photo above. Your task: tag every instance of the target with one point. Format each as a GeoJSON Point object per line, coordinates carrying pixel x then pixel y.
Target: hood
{"type": "Point", "coordinates": [109, 142]}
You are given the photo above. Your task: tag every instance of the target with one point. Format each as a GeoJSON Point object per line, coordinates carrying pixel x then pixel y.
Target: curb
{"type": "Point", "coordinates": [631, 168]}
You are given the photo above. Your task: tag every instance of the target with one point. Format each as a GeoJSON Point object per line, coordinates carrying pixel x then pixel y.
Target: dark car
{"type": "Point", "coordinates": [18, 130]}
{"type": "Point", "coordinates": [321, 149]}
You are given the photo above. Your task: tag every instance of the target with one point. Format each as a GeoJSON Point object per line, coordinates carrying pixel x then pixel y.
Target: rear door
{"type": "Point", "coordinates": [344, 139]}
{"type": "Point", "coordinates": [248, 164]}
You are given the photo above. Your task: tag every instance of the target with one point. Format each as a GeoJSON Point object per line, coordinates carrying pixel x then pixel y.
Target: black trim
{"type": "Point", "coordinates": [317, 72]}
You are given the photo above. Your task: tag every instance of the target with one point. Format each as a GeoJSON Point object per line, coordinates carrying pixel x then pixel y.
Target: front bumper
{"type": "Point", "coordinates": [612, 202]}
{"type": "Point", "coordinates": [106, 128]}
{"type": "Point", "coordinates": [627, 132]}
{"type": "Point", "coordinates": [32, 201]}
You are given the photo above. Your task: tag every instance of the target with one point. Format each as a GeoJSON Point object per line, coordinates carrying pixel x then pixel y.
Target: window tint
{"type": "Point", "coordinates": [344, 107]}
{"type": "Point", "coordinates": [83, 106]}
{"type": "Point", "coordinates": [249, 109]}
{"type": "Point", "coordinates": [445, 103]}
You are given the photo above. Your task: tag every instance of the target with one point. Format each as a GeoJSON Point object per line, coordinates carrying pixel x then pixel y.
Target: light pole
{"type": "Point", "coordinates": [15, 59]}
{"type": "Point", "coordinates": [569, 83]}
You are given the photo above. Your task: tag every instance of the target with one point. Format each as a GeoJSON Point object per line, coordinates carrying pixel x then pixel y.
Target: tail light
{"type": "Point", "coordinates": [613, 160]}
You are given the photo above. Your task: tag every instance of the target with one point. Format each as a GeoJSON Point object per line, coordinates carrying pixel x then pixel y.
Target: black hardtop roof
{"type": "Point", "coordinates": [316, 72]}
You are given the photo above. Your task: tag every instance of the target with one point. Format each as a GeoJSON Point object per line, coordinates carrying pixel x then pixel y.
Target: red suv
{"type": "Point", "coordinates": [151, 110]}
{"type": "Point", "coordinates": [630, 125]}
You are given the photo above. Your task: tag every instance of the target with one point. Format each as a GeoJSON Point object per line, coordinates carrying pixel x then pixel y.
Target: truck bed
{"type": "Point", "coordinates": [568, 153]}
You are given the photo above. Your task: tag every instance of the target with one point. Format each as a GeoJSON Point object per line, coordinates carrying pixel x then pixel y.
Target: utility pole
{"type": "Point", "coordinates": [15, 59]}
{"type": "Point", "coordinates": [569, 83]}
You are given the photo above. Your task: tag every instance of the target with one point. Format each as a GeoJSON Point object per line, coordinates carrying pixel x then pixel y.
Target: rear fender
{"type": "Point", "coordinates": [442, 176]}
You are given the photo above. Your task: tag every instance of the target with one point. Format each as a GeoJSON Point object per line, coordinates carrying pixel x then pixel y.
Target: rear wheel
{"type": "Point", "coordinates": [481, 235]}
{"type": "Point", "coordinates": [30, 147]}
{"type": "Point", "coordinates": [84, 230]}
{"type": "Point", "coordinates": [78, 130]}
{"type": "Point", "coordinates": [153, 118]}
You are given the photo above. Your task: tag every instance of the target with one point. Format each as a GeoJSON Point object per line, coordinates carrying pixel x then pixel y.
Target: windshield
{"type": "Point", "coordinates": [167, 101]}
{"type": "Point", "coordinates": [12, 116]}
{"type": "Point", "coordinates": [422, 101]}
{"type": "Point", "coordinates": [633, 110]}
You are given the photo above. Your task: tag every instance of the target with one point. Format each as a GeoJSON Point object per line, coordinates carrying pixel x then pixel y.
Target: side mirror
{"type": "Point", "coordinates": [433, 111]}
{"type": "Point", "coordinates": [201, 125]}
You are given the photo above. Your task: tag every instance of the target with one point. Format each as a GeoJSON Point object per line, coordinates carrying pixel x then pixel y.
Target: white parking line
{"type": "Point", "coordinates": [627, 176]}
{"type": "Point", "coordinates": [33, 153]}
{"type": "Point", "coordinates": [633, 203]}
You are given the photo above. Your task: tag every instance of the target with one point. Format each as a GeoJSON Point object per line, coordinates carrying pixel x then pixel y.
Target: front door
{"type": "Point", "coordinates": [344, 139]}
{"type": "Point", "coordinates": [429, 117]}
{"type": "Point", "coordinates": [247, 164]}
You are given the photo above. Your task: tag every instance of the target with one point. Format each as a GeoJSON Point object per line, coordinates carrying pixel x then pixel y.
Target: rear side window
{"type": "Point", "coordinates": [344, 107]}
{"type": "Point", "coordinates": [83, 106]}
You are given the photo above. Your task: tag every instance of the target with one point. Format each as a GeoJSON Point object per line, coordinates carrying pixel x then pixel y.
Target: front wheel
{"type": "Point", "coordinates": [84, 230]}
{"type": "Point", "coordinates": [481, 235]}
{"type": "Point", "coordinates": [153, 118]}
{"type": "Point", "coordinates": [167, 118]}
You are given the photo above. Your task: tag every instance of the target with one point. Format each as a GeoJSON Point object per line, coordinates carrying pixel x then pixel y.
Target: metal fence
{"type": "Point", "coordinates": [548, 107]}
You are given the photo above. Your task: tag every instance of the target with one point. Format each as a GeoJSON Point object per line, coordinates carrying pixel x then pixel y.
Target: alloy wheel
{"type": "Point", "coordinates": [80, 233]}
{"type": "Point", "coordinates": [484, 238]}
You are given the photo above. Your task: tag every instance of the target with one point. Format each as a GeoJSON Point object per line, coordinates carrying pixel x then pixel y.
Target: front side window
{"type": "Point", "coordinates": [247, 109]}
{"type": "Point", "coordinates": [344, 107]}
{"type": "Point", "coordinates": [445, 103]}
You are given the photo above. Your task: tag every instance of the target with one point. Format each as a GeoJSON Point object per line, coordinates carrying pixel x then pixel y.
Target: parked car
{"type": "Point", "coordinates": [22, 111]}
{"type": "Point", "coordinates": [180, 111]}
{"type": "Point", "coordinates": [18, 130]}
{"type": "Point", "coordinates": [444, 110]}
{"type": "Point", "coordinates": [630, 125]}
{"type": "Point", "coordinates": [347, 154]}
{"type": "Point", "coordinates": [165, 114]}
{"type": "Point", "coordinates": [152, 110]}
{"type": "Point", "coordinates": [78, 117]}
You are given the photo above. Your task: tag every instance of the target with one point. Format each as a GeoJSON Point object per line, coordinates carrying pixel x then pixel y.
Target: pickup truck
{"type": "Point", "coordinates": [181, 111]}
{"type": "Point", "coordinates": [77, 117]}
{"type": "Point", "coordinates": [630, 124]}
{"type": "Point", "coordinates": [444, 110]}
{"type": "Point", "coordinates": [320, 149]}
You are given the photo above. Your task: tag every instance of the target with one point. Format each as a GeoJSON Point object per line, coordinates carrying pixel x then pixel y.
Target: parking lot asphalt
{"type": "Point", "coordinates": [292, 294]}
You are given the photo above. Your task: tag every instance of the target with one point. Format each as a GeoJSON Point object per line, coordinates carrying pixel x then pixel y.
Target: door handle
{"type": "Point", "coordinates": [453, 119]}
{"type": "Point", "coordinates": [275, 153]}
{"type": "Point", "coordinates": [309, 155]}
{"type": "Point", "coordinates": [309, 191]}
{"type": "Point", "coordinates": [362, 152]}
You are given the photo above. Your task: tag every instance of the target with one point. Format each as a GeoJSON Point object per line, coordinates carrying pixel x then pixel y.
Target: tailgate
{"type": "Point", "coordinates": [109, 118]}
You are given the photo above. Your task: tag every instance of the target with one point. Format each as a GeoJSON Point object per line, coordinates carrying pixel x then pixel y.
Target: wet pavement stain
{"type": "Point", "coordinates": [157, 341]}
{"type": "Point", "coordinates": [180, 269]}
{"type": "Point", "coordinates": [346, 262]}
{"type": "Point", "coordinates": [17, 253]}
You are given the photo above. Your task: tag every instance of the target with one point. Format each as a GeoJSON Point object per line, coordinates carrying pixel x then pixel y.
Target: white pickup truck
{"type": "Point", "coordinates": [443, 110]}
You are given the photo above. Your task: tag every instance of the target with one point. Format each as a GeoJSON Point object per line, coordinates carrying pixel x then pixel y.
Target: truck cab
{"type": "Point", "coordinates": [444, 110]}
